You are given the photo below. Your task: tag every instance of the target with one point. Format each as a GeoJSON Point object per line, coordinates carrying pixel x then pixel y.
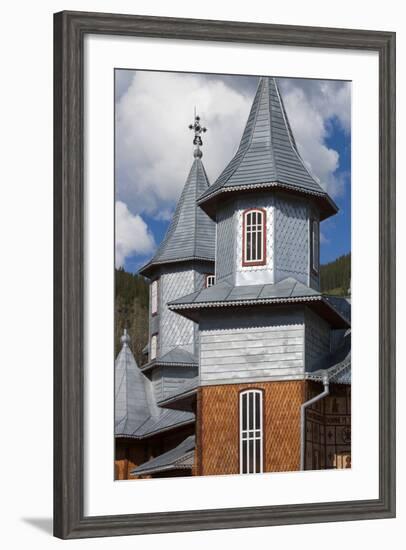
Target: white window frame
{"type": "Point", "coordinates": [154, 297]}
{"type": "Point", "coordinates": [251, 432]}
{"type": "Point", "coordinates": [315, 236]}
{"type": "Point", "coordinates": [154, 347]}
{"type": "Point", "coordinates": [210, 280]}
{"type": "Point", "coordinates": [251, 230]}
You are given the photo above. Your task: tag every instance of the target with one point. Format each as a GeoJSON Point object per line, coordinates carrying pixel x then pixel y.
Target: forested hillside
{"type": "Point", "coordinates": [131, 311]}
{"type": "Point", "coordinates": [132, 297]}
{"type": "Point", "coordinates": [335, 277]}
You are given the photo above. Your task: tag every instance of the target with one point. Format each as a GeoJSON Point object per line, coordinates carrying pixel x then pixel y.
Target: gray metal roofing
{"type": "Point", "coordinates": [175, 357]}
{"type": "Point", "coordinates": [137, 414]}
{"type": "Point", "coordinates": [188, 386]}
{"type": "Point", "coordinates": [267, 153]}
{"type": "Point", "coordinates": [191, 234]}
{"type": "Point", "coordinates": [168, 419]}
{"type": "Point", "coordinates": [336, 365]}
{"type": "Point", "coordinates": [180, 457]}
{"type": "Point", "coordinates": [134, 399]}
{"type": "Point", "coordinates": [225, 293]}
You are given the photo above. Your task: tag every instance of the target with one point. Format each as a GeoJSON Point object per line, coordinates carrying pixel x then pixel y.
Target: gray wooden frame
{"type": "Point", "coordinates": [70, 29]}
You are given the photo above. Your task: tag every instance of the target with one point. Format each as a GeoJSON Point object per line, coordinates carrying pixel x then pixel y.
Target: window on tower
{"type": "Point", "coordinates": [154, 346]}
{"type": "Point", "coordinates": [251, 432]}
{"type": "Point", "coordinates": [315, 245]}
{"type": "Point", "coordinates": [254, 237]}
{"type": "Point", "coordinates": [210, 280]}
{"type": "Point", "coordinates": [154, 297]}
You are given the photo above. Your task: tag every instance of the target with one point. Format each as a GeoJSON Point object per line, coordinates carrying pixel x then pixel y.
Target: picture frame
{"type": "Point", "coordinates": [70, 28]}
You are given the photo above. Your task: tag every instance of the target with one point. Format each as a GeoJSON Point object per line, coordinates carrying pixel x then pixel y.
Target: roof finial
{"type": "Point", "coordinates": [197, 141]}
{"type": "Point", "coordinates": [125, 339]}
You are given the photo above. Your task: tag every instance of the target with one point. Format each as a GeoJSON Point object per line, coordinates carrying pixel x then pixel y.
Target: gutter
{"type": "Point", "coordinates": [303, 408]}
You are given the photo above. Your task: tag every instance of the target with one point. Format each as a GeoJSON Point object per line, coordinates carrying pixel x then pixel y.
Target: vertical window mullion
{"type": "Point", "coordinates": [254, 439]}
{"type": "Point", "coordinates": [261, 430]}
{"type": "Point", "coordinates": [247, 435]}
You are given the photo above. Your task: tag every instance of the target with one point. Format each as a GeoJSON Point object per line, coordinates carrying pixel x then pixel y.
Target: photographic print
{"type": "Point", "coordinates": [232, 274]}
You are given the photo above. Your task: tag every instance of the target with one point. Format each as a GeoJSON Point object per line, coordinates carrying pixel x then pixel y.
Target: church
{"type": "Point", "coordinates": [248, 364]}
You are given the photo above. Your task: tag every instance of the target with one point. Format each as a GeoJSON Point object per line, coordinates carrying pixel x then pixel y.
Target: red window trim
{"type": "Point", "coordinates": [157, 297]}
{"type": "Point", "coordinates": [247, 263]}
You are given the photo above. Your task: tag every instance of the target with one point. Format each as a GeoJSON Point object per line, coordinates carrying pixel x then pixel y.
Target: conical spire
{"type": "Point", "coordinates": [133, 392]}
{"type": "Point", "coordinates": [191, 234]}
{"type": "Point", "coordinates": [267, 155]}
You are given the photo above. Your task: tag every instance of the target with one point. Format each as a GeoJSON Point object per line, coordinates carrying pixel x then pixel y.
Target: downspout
{"type": "Point", "coordinates": [303, 408]}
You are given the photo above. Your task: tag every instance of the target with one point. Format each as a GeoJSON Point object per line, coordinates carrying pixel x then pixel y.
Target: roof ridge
{"type": "Point", "coordinates": [189, 236]}
{"type": "Point", "coordinates": [271, 149]}
{"type": "Point", "coordinates": [291, 136]}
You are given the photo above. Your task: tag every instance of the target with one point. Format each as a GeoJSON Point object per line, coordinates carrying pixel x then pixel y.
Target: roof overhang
{"type": "Point", "coordinates": [150, 269]}
{"type": "Point", "coordinates": [157, 363]}
{"type": "Point", "coordinates": [317, 303]}
{"type": "Point", "coordinates": [210, 202]}
{"type": "Point", "coordinates": [153, 433]}
{"type": "Point", "coordinates": [184, 401]}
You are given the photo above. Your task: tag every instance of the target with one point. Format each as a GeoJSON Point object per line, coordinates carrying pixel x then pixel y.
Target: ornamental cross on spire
{"type": "Point", "coordinates": [198, 130]}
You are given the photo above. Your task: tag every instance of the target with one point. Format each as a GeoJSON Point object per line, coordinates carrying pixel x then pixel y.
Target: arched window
{"type": "Point", "coordinates": [254, 237]}
{"type": "Point", "coordinates": [154, 297]}
{"type": "Point", "coordinates": [154, 346]}
{"type": "Point", "coordinates": [251, 432]}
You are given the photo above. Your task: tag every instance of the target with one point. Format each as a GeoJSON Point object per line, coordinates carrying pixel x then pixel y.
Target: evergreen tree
{"type": "Point", "coordinates": [335, 277]}
{"type": "Point", "coordinates": [131, 311]}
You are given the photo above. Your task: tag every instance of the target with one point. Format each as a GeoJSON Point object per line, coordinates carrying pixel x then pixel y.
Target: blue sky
{"type": "Point", "coordinates": [154, 148]}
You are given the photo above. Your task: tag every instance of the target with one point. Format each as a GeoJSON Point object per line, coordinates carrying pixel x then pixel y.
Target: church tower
{"type": "Point", "coordinates": [264, 326]}
{"type": "Point", "coordinates": [267, 204]}
{"type": "Point", "coordinates": [183, 263]}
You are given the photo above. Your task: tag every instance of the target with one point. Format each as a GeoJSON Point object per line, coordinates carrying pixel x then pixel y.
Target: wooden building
{"type": "Point", "coordinates": [241, 338]}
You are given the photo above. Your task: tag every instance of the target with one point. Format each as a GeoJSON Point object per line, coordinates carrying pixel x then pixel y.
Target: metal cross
{"type": "Point", "coordinates": [198, 130]}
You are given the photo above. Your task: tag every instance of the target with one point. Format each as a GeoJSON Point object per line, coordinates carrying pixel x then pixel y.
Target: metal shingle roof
{"type": "Point", "coordinates": [191, 234]}
{"type": "Point", "coordinates": [168, 419]}
{"type": "Point", "coordinates": [175, 357]}
{"type": "Point", "coordinates": [225, 291]}
{"type": "Point", "coordinates": [137, 414]}
{"type": "Point", "coordinates": [181, 457]}
{"type": "Point", "coordinates": [134, 400]}
{"type": "Point", "coordinates": [267, 155]}
{"type": "Point", "coordinates": [287, 291]}
{"type": "Point", "coordinates": [182, 394]}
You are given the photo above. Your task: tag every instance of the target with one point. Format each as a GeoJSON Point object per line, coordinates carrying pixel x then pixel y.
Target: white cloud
{"type": "Point", "coordinates": [311, 106]}
{"type": "Point", "coordinates": [132, 235]}
{"type": "Point", "coordinates": [154, 146]}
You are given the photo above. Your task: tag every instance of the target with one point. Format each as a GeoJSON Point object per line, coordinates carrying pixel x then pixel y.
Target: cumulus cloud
{"type": "Point", "coordinates": [153, 144]}
{"type": "Point", "coordinates": [132, 235]}
{"type": "Point", "coordinates": [312, 106]}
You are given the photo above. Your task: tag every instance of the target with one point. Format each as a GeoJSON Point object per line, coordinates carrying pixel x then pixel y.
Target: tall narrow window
{"type": "Point", "coordinates": [154, 346]}
{"type": "Point", "coordinates": [210, 280]}
{"type": "Point", "coordinates": [154, 297]}
{"type": "Point", "coordinates": [254, 237]}
{"type": "Point", "coordinates": [251, 432]}
{"type": "Point", "coordinates": [315, 245]}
